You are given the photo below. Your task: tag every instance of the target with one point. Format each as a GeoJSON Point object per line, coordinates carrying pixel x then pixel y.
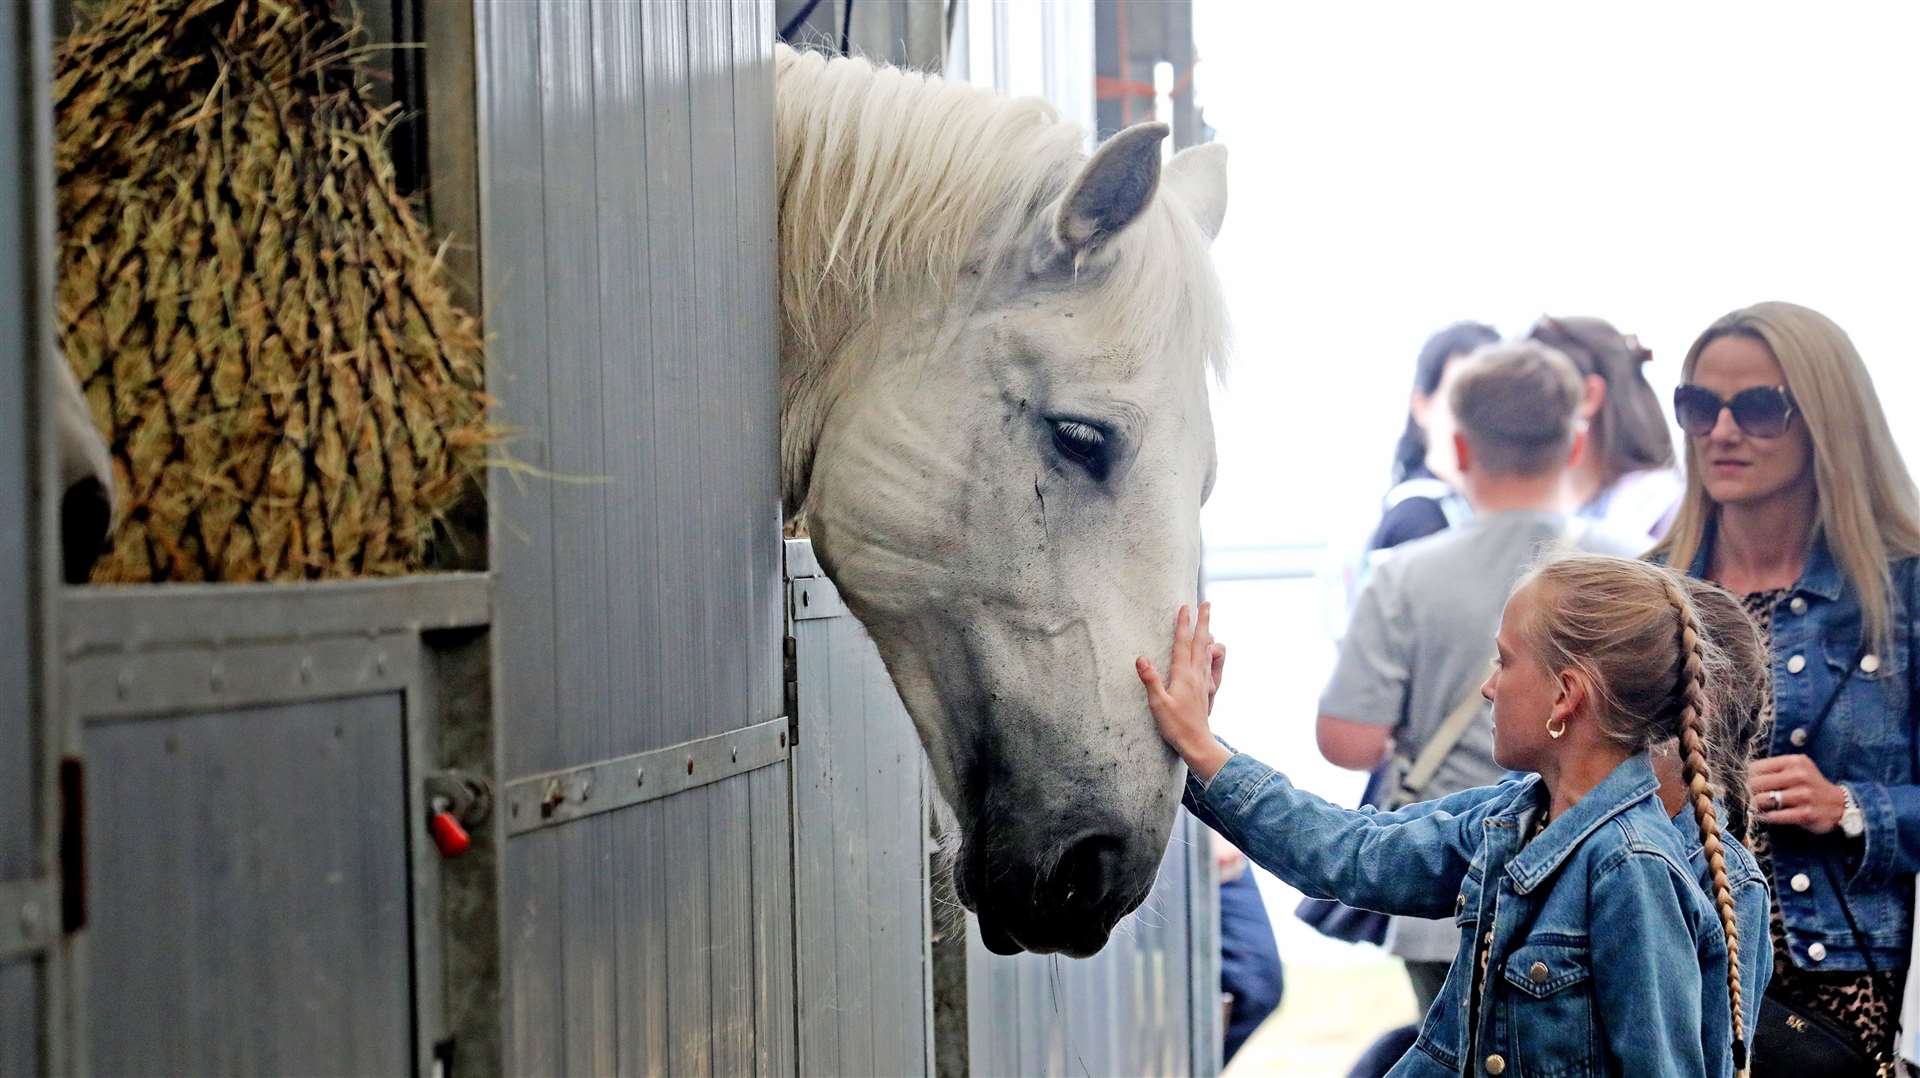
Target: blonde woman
{"type": "Point", "coordinates": [1797, 500]}
{"type": "Point", "coordinates": [1587, 943]}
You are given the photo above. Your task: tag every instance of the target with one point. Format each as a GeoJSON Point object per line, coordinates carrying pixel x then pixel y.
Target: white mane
{"type": "Point", "coordinates": [891, 177]}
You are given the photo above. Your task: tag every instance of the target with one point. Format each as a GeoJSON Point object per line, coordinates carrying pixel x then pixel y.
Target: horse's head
{"type": "Point", "coordinates": [1006, 488]}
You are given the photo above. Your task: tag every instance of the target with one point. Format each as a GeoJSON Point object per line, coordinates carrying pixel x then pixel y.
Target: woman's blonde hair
{"type": "Point", "coordinates": [1867, 507]}
{"type": "Point", "coordinates": [1633, 632]}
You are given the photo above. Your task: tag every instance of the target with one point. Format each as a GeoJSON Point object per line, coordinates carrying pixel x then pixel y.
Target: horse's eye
{"type": "Point", "coordinates": [1083, 443]}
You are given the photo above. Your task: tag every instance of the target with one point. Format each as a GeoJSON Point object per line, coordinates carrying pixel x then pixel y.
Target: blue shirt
{"type": "Point", "coordinates": [1604, 954]}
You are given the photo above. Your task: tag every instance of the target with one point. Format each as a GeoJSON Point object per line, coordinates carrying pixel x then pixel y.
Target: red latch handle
{"type": "Point", "coordinates": [452, 838]}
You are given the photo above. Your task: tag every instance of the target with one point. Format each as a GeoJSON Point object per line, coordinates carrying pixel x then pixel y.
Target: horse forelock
{"type": "Point", "coordinates": [890, 176]}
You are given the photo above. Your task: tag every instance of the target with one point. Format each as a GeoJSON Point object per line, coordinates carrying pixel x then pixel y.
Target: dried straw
{"type": "Point", "coordinates": [261, 324]}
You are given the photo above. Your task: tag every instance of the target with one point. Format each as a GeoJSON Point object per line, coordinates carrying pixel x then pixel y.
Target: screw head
{"type": "Point", "coordinates": [216, 678]}
{"type": "Point", "coordinates": [639, 776]}
{"type": "Point", "coordinates": [29, 918]}
{"type": "Point", "coordinates": [689, 765]}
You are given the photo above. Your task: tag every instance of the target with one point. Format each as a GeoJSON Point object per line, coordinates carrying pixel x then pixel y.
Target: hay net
{"type": "Point", "coordinates": [260, 322]}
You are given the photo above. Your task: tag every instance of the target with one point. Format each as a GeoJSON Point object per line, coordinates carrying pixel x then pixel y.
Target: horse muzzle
{"type": "Point", "coordinates": [1065, 901]}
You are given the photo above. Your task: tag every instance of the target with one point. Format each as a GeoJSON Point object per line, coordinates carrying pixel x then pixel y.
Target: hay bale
{"type": "Point", "coordinates": [260, 322]}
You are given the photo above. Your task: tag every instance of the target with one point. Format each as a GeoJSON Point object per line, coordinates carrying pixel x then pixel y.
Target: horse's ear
{"type": "Point", "coordinates": [1198, 174]}
{"type": "Point", "coordinates": [1111, 190]}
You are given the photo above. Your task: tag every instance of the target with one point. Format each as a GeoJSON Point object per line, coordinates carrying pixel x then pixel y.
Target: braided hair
{"type": "Point", "coordinates": [1656, 675]}
{"type": "Point", "coordinates": [1694, 707]}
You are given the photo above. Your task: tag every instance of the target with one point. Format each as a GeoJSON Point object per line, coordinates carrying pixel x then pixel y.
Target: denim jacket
{"type": "Point", "coordinates": [1867, 744]}
{"type": "Point", "coordinates": [1605, 956]}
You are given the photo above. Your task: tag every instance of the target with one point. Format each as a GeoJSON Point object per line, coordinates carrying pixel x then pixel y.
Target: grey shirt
{"type": "Point", "coordinates": [1421, 640]}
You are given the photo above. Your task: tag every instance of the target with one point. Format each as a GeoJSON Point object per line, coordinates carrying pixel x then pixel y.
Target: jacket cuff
{"type": "Point", "coordinates": [1882, 837]}
{"type": "Point", "coordinates": [1233, 786]}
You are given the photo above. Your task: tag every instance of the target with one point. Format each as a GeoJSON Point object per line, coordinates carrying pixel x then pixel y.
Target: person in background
{"type": "Point", "coordinates": [1252, 980]}
{"type": "Point", "coordinates": [1627, 477]}
{"type": "Point", "coordinates": [1423, 499]}
{"type": "Point", "coordinates": [1409, 668]}
{"type": "Point", "coordinates": [1797, 499]}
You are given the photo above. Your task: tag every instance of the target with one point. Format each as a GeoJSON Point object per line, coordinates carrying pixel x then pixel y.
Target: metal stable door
{"type": "Point", "coordinates": [626, 234]}
{"type": "Point", "coordinates": [33, 966]}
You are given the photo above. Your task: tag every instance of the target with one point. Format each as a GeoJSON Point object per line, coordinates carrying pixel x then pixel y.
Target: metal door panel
{"type": "Point", "coordinates": [250, 907]}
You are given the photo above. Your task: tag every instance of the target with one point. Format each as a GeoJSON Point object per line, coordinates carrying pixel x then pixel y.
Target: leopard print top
{"type": "Point", "coordinates": [1855, 1000]}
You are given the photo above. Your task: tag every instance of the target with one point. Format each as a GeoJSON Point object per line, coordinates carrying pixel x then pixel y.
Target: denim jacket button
{"type": "Point", "coordinates": [1537, 973]}
{"type": "Point", "coordinates": [1798, 606]}
{"type": "Point", "coordinates": [1798, 737]}
{"type": "Point", "coordinates": [1796, 664]}
{"type": "Point", "coordinates": [1869, 663]}
{"type": "Point", "coordinates": [1496, 1064]}
{"type": "Point", "coordinates": [1817, 951]}
{"type": "Point", "coordinates": [1800, 883]}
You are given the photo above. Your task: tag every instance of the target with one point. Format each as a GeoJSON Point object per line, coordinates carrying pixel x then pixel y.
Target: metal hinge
{"type": "Point", "coordinates": [29, 919]}
{"type": "Point", "coordinates": [790, 686]}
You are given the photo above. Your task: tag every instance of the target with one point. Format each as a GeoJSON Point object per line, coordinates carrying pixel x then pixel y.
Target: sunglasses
{"type": "Point", "coordinates": [1759, 411]}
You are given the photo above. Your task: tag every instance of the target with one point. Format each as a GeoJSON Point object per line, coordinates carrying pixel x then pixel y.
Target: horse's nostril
{"type": "Point", "coordinates": [1085, 873]}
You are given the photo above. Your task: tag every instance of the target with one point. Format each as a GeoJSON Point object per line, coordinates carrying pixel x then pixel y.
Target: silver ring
{"type": "Point", "coordinates": [1775, 794]}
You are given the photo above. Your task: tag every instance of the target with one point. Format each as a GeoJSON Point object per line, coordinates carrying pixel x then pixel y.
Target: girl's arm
{"type": "Point", "coordinates": [1646, 971]}
{"type": "Point", "coordinates": [1409, 862]}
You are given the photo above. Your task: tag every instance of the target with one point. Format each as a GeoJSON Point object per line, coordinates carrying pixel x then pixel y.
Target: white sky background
{"type": "Point", "coordinates": [1396, 167]}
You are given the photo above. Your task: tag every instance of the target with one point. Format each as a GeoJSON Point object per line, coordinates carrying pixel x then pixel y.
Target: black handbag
{"type": "Point", "coordinates": [1790, 1041]}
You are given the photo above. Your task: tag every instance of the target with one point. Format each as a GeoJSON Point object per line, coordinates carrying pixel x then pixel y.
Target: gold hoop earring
{"type": "Point", "coordinates": [1556, 734]}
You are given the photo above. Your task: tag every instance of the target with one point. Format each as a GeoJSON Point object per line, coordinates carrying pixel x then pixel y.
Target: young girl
{"type": "Point", "coordinates": [1587, 946]}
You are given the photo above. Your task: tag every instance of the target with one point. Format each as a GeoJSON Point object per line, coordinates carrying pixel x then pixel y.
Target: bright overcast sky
{"type": "Point", "coordinates": [1399, 166]}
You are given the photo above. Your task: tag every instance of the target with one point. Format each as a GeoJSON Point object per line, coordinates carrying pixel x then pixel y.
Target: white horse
{"type": "Point", "coordinates": [994, 424]}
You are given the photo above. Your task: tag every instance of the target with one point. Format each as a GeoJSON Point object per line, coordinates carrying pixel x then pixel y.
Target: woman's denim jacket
{"type": "Point", "coordinates": [1866, 743]}
{"type": "Point", "coordinates": [1605, 955]}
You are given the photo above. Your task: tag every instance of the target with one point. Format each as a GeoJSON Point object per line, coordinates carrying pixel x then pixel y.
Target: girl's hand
{"type": "Point", "coordinates": [1180, 703]}
{"type": "Point", "coordinates": [1218, 653]}
{"type": "Point", "coordinates": [1805, 797]}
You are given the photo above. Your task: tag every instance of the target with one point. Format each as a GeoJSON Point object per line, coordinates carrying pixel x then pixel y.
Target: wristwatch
{"type": "Point", "coordinates": [1853, 822]}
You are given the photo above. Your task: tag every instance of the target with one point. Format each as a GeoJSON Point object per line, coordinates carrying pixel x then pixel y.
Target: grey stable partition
{"type": "Point", "coordinates": [260, 894]}
{"type": "Point", "coordinates": [627, 242]}
{"type": "Point", "coordinates": [861, 847]}
{"type": "Point", "coordinates": [33, 965]}
{"type": "Point", "coordinates": [1148, 1004]}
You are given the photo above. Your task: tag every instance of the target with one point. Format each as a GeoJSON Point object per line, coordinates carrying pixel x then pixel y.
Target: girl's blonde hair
{"type": "Point", "coordinates": [1868, 510]}
{"type": "Point", "coordinates": [1634, 633]}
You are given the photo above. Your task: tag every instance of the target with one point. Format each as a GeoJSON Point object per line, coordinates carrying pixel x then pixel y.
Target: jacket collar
{"type": "Point", "coordinates": [1629, 784]}
{"type": "Point", "coordinates": [1821, 577]}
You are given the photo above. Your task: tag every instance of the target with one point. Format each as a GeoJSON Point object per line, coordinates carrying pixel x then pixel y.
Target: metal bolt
{"type": "Point", "coordinates": [736, 753]}
{"type": "Point", "coordinates": [216, 678]}
{"type": "Point", "coordinates": [689, 765]}
{"type": "Point", "coordinates": [639, 776]}
{"type": "Point", "coordinates": [123, 684]}
{"type": "Point", "coordinates": [29, 919]}
{"type": "Point", "coordinates": [380, 663]}
{"type": "Point", "coordinates": [306, 670]}
{"type": "Point", "coordinates": [783, 741]}
{"type": "Point", "coordinates": [553, 797]}
{"type": "Point", "coordinates": [583, 787]}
